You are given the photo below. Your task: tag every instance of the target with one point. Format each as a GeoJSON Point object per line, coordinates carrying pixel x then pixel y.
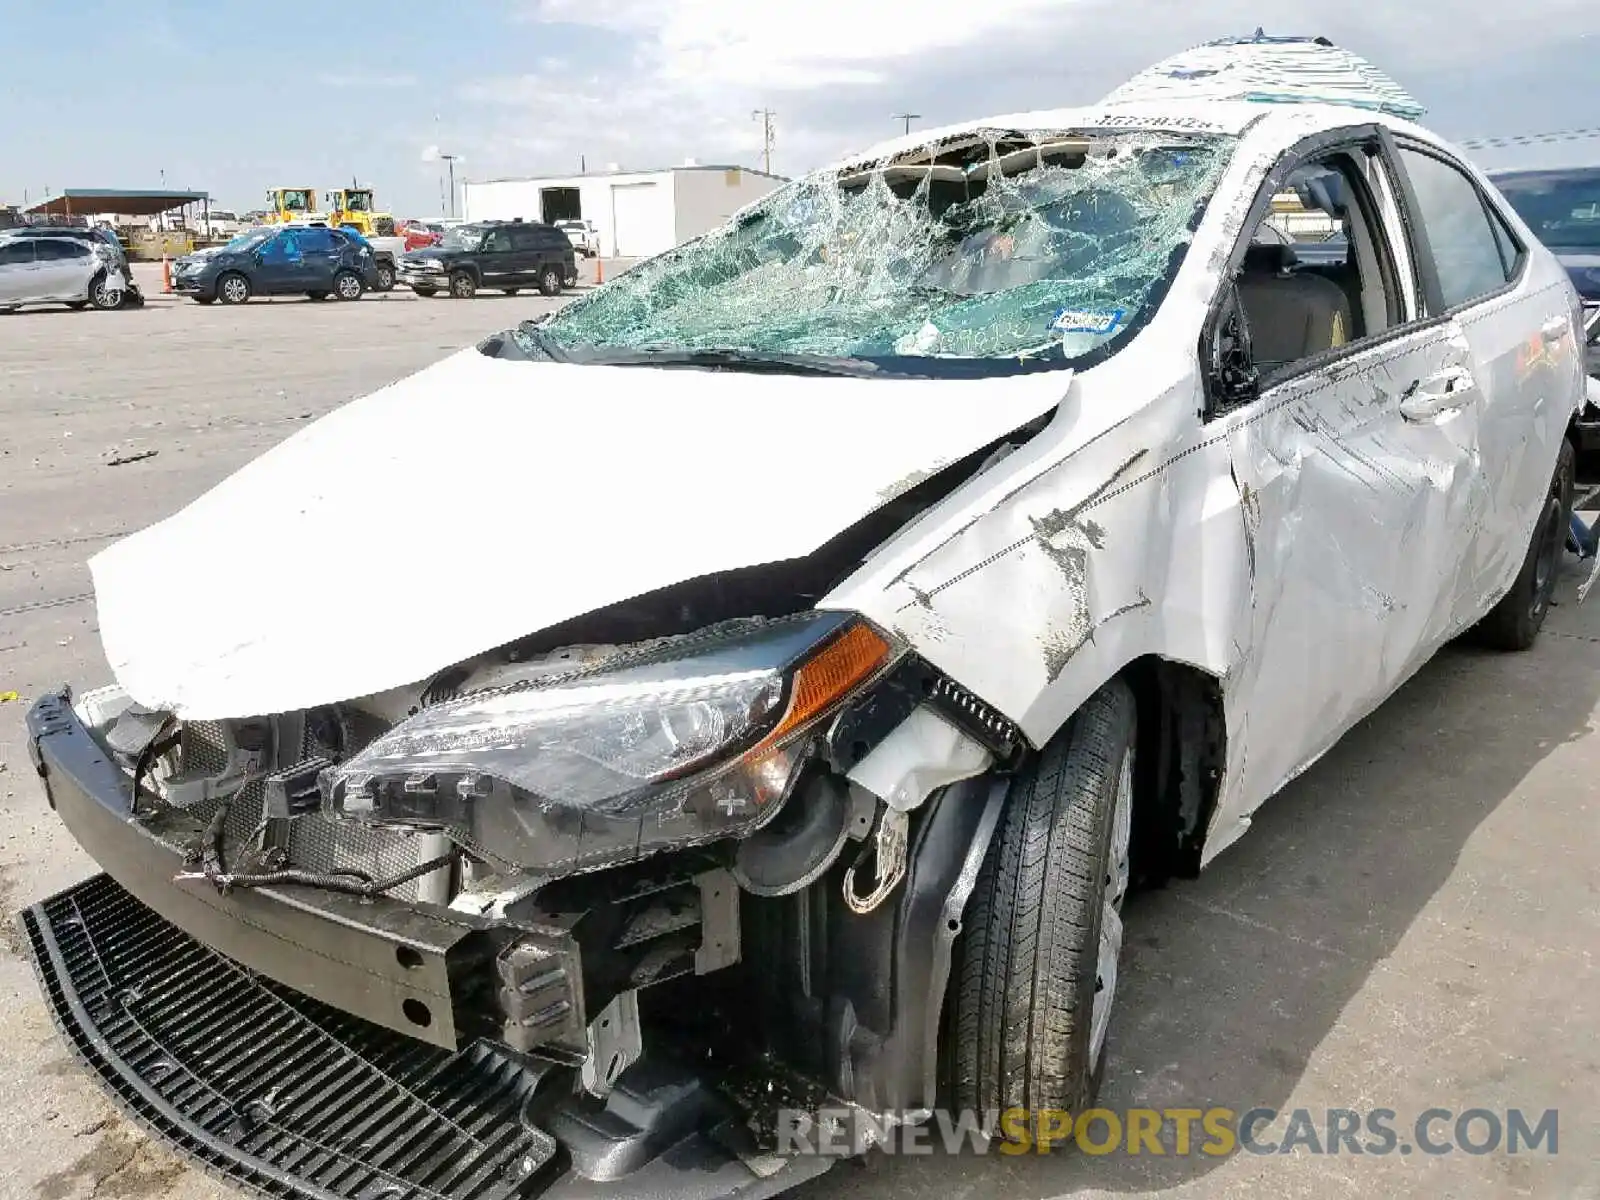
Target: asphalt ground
{"type": "Point", "coordinates": [1413, 924]}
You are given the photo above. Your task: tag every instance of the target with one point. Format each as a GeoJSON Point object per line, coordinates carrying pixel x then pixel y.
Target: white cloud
{"type": "Point", "coordinates": [365, 80]}
{"type": "Point", "coordinates": [680, 77]}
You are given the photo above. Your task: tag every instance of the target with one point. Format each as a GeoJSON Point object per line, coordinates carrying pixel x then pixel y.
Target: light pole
{"type": "Point", "coordinates": [908, 118]}
{"type": "Point", "coordinates": [450, 159]}
{"type": "Point", "coordinates": [765, 115]}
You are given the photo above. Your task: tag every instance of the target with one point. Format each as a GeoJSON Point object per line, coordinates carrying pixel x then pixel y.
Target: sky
{"type": "Point", "coordinates": [231, 98]}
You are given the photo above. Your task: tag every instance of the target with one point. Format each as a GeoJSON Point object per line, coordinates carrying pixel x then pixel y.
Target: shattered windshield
{"type": "Point", "coordinates": [995, 247]}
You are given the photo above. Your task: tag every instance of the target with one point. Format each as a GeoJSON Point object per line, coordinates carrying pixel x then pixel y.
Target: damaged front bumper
{"type": "Point", "coordinates": [336, 1051]}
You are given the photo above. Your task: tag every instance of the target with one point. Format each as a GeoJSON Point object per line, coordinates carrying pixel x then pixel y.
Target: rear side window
{"type": "Point", "coordinates": [526, 239]}
{"type": "Point", "coordinates": [316, 241]}
{"type": "Point", "coordinates": [1472, 249]}
{"type": "Point", "coordinates": [15, 253]}
{"type": "Point", "coordinates": [497, 241]}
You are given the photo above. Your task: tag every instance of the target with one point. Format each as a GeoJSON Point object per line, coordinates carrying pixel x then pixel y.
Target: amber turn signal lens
{"type": "Point", "coordinates": [822, 680]}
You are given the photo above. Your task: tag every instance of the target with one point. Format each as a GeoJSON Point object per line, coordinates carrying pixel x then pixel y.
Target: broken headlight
{"type": "Point", "coordinates": [698, 741]}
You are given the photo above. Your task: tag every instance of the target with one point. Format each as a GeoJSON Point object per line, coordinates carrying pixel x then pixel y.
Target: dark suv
{"type": "Point", "coordinates": [509, 255]}
{"type": "Point", "coordinates": [1562, 206]}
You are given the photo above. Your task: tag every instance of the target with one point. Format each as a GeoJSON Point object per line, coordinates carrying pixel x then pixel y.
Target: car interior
{"type": "Point", "coordinates": [1296, 310]}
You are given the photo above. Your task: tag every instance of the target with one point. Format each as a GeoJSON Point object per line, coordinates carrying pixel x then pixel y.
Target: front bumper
{"type": "Point", "coordinates": [193, 285]}
{"type": "Point", "coordinates": [254, 1065]}
{"type": "Point", "coordinates": [412, 277]}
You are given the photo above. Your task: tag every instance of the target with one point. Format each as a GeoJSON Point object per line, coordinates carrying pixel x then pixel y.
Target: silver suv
{"type": "Point", "coordinates": [58, 270]}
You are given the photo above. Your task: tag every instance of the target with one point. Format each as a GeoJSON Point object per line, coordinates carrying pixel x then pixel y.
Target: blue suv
{"type": "Point", "coordinates": [302, 260]}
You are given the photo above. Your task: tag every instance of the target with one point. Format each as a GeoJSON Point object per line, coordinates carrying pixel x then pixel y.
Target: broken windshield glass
{"type": "Point", "coordinates": [997, 246]}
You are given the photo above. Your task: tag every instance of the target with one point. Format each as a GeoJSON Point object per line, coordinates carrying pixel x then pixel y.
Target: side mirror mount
{"type": "Point", "coordinates": [1232, 370]}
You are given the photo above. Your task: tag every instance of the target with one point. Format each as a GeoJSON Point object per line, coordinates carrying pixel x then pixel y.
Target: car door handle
{"type": "Point", "coordinates": [1450, 389]}
{"type": "Point", "coordinates": [1555, 328]}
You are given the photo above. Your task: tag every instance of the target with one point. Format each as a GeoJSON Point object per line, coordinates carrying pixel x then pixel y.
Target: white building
{"type": "Point", "coordinates": [637, 213]}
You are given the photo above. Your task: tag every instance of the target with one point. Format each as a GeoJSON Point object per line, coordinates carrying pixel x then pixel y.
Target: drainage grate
{"type": "Point", "coordinates": [268, 1089]}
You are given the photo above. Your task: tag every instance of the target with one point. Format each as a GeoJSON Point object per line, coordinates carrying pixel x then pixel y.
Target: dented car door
{"type": "Point", "coordinates": [1359, 473]}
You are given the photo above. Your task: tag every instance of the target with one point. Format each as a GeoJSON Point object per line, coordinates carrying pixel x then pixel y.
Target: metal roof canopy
{"type": "Point", "coordinates": [81, 201]}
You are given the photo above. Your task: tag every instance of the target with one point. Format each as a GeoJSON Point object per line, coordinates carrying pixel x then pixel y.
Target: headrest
{"type": "Point", "coordinates": [1268, 258]}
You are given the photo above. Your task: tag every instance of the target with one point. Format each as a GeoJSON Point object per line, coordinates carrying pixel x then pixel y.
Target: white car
{"type": "Point", "coordinates": [77, 272]}
{"type": "Point", "coordinates": [585, 238]}
{"type": "Point", "coordinates": [756, 686]}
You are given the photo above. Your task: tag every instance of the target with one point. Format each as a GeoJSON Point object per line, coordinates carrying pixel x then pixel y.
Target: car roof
{"type": "Point", "coordinates": [1282, 87]}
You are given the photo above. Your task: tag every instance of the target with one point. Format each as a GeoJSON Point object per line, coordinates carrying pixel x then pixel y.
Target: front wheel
{"type": "Point", "coordinates": [233, 289]}
{"type": "Point", "coordinates": [103, 296]}
{"type": "Point", "coordinates": [1514, 623]}
{"type": "Point", "coordinates": [550, 281]}
{"type": "Point", "coordinates": [347, 285]}
{"type": "Point", "coordinates": [463, 286]}
{"type": "Point", "coordinates": [1041, 938]}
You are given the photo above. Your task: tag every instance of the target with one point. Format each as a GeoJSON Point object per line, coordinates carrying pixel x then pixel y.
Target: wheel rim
{"type": "Point", "coordinates": [462, 287]}
{"type": "Point", "coordinates": [1544, 567]}
{"type": "Point", "coordinates": [1115, 892]}
{"type": "Point", "coordinates": [385, 277]}
{"type": "Point", "coordinates": [234, 289]}
{"type": "Point", "coordinates": [349, 287]}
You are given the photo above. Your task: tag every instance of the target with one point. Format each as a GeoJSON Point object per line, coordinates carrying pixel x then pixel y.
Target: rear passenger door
{"type": "Point", "coordinates": [1355, 456]}
{"type": "Point", "coordinates": [321, 251]}
{"type": "Point", "coordinates": [528, 247]}
{"type": "Point", "coordinates": [18, 271]}
{"type": "Point", "coordinates": [1517, 328]}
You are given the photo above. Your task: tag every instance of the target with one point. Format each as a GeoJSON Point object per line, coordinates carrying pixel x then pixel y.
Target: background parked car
{"type": "Point", "coordinates": [1563, 208]}
{"type": "Point", "coordinates": [509, 255]}
{"type": "Point", "coordinates": [316, 262]}
{"type": "Point", "coordinates": [77, 268]}
{"type": "Point", "coordinates": [420, 234]}
{"type": "Point", "coordinates": [584, 236]}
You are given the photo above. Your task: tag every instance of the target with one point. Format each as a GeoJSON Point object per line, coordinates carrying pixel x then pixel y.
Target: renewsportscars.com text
{"type": "Point", "coordinates": [1214, 1132]}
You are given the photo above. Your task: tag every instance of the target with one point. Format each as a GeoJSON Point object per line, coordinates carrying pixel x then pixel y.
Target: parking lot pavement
{"type": "Point", "coordinates": [1412, 924]}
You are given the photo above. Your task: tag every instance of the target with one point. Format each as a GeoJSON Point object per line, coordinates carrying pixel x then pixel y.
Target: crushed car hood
{"type": "Point", "coordinates": [482, 500]}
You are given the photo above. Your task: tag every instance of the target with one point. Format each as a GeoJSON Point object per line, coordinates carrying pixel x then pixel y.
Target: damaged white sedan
{"type": "Point", "coordinates": [756, 687]}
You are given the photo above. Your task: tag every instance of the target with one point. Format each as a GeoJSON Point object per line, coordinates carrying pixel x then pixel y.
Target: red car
{"type": "Point", "coordinates": [422, 233]}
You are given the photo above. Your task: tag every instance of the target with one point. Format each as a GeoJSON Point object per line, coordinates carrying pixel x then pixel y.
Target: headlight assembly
{"type": "Point", "coordinates": [694, 742]}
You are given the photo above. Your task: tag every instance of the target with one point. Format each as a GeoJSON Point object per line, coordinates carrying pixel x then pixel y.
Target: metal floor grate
{"type": "Point", "coordinates": [268, 1089]}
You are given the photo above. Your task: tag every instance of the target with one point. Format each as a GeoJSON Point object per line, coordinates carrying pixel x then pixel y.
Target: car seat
{"type": "Point", "coordinates": [1291, 315]}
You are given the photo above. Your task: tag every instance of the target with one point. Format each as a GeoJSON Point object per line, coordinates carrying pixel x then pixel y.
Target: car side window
{"type": "Point", "coordinates": [497, 241]}
{"type": "Point", "coordinates": [1469, 241]}
{"type": "Point", "coordinates": [527, 239]}
{"type": "Point", "coordinates": [316, 241]}
{"type": "Point", "coordinates": [56, 250]}
{"type": "Point", "coordinates": [16, 253]}
{"type": "Point", "coordinates": [1299, 298]}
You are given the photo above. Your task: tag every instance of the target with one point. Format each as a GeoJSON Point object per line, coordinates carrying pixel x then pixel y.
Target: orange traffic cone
{"type": "Point", "coordinates": [166, 274]}
{"type": "Point", "coordinates": [599, 270]}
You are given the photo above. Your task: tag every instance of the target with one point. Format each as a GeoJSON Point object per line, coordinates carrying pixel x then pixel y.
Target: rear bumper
{"type": "Point", "coordinates": [258, 1065]}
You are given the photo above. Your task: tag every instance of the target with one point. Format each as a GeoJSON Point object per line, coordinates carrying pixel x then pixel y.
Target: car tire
{"type": "Point", "coordinates": [550, 281]}
{"type": "Point", "coordinates": [426, 293]}
{"type": "Point", "coordinates": [1514, 623]}
{"type": "Point", "coordinates": [104, 298]}
{"type": "Point", "coordinates": [385, 278]}
{"type": "Point", "coordinates": [463, 286]}
{"type": "Point", "coordinates": [233, 288]}
{"type": "Point", "coordinates": [1035, 972]}
{"type": "Point", "coordinates": [347, 285]}
{"type": "Point", "coordinates": [569, 281]}
{"type": "Point", "coordinates": [511, 291]}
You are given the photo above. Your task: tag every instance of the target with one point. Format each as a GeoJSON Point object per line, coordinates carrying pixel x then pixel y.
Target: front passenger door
{"type": "Point", "coordinates": [496, 261]}
{"type": "Point", "coordinates": [1358, 480]}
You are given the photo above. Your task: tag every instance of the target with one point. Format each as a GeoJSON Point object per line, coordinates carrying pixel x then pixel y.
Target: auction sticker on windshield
{"type": "Point", "coordinates": [1077, 320]}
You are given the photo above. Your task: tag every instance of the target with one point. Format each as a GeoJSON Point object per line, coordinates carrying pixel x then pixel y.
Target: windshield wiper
{"type": "Point", "coordinates": [725, 359]}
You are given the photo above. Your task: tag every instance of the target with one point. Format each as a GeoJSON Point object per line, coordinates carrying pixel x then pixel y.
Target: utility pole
{"type": "Point", "coordinates": [908, 118]}
{"type": "Point", "coordinates": [765, 115]}
{"type": "Point", "coordinates": [450, 159]}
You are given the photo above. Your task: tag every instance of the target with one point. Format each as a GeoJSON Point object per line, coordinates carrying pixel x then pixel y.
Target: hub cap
{"type": "Point", "coordinates": [234, 289]}
{"type": "Point", "coordinates": [349, 288]}
{"type": "Point", "coordinates": [1116, 890]}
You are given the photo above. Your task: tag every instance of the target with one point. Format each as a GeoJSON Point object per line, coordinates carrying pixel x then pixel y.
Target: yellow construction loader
{"type": "Point", "coordinates": [354, 206]}
{"type": "Point", "coordinates": [291, 204]}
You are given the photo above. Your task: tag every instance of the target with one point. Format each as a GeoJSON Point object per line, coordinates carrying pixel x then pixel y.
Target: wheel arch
{"type": "Point", "coordinates": [1181, 754]}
